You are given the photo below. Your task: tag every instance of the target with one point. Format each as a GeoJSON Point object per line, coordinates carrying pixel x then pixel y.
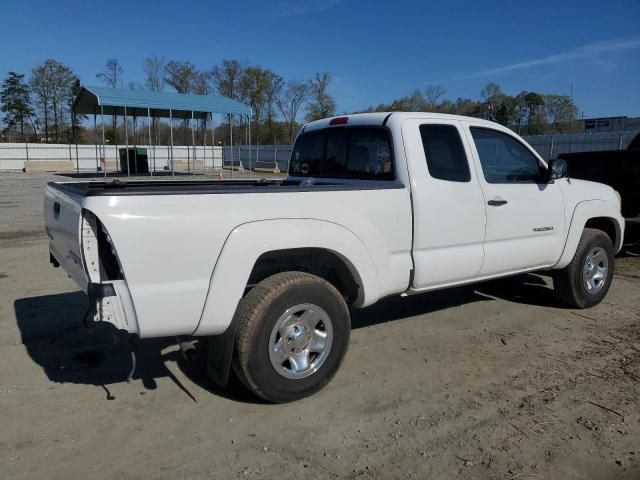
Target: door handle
{"type": "Point", "coordinates": [497, 202]}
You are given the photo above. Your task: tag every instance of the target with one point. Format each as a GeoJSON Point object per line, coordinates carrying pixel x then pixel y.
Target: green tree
{"type": "Point", "coordinates": [258, 88]}
{"type": "Point", "coordinates": [15, 102]}
{"type": "Point", "coordinates": [226, 78]}
{"type": "Point", "coordinates": [180, 75]}
{"type": "Point", "coordinates": [533, 102]}
{"type": "Point", "coordinates": [560, 110]}
{"type": "Point", "coordinates": [322, 104]}
{"type": "Point", "coordinates": [520, 108]}
{"type": "Point", "coordinates": [468, 107]}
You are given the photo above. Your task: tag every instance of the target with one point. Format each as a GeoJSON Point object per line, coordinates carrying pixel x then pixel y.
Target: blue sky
{"type": "Point", "coordinates": [375, 50]}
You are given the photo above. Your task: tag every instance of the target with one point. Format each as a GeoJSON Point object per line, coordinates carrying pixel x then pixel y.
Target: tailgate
{"type": "Point", "coordinates": [63, 217]}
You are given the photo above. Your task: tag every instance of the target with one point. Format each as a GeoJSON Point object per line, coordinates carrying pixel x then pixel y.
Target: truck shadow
{"type": "Point", "coordinates": [55, 338]}
{"type": "Point", "coordinates": [527, 288]}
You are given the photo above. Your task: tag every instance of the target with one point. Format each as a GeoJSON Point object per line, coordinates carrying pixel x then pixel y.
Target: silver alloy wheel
{"type": "Point", "coordinates": [300, 341]}
{"type": "Point", "coordinates": [595, 270]}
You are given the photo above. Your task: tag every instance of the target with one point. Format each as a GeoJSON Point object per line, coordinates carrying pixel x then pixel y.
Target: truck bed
{"type": "Point", "coordinates": [167, 236]}
{"type": "Point", "coordinates": [208, 187]}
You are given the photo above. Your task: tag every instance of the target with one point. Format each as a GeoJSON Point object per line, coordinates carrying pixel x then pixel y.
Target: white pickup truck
{"type": "Point", "coordinates": [374, 205]}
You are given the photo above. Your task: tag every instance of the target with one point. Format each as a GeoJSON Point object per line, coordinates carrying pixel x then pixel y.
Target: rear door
{"type": "Point", "coordinates": [525, 215]}
{"type": "Point", "coordinates": [448, 205]}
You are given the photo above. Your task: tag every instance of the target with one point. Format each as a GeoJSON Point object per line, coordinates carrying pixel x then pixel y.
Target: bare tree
{"type": "Point", "coordinates": [227, 81]}
{"type": "Point", "coordinates": [154, 69]}
{"type": "Point", "coordinates": [492, 95]}
{"type": "Point", "coordinates": [322, 104]}
{"type": "Point", "coordinates": [274, 86]}
{"type": "Point", "coordinates": [42, 89]}
{"type": "Point", "coordinates": [290, 101]}
{"type": "Point", "coordinates": [432, 94]}
{"type": "Point", "coordinates": [112, 73]}
{"type": "Point", "coordinates": [112, 78]}
{"type": "Point", "coordinates": [52, 83]}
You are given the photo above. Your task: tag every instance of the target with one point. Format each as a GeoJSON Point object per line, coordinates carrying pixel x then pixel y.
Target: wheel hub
{"type": "Point", "coordinates": [297, 337]}
{"type": "Point", "coordinates": [300, 341]}
{"type": "Point", "coordinates": [595, 270]}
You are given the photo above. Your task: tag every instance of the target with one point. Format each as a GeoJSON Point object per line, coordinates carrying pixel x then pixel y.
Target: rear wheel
{"type": "Point", "coordinates": [293, 333]}
{"type": "Point", "coordinates": [586, 280]}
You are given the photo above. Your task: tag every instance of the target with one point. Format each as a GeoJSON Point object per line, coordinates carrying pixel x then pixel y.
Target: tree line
{"type": "Point", "coordinates": [38, 108]}
{"type": "Point", "coordinates": [527, 113]}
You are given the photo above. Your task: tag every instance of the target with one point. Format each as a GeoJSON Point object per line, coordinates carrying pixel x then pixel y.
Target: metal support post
{"type": "Point", "coordinates": [171, 132]}
{"type": "Point", "coordinates": [193, 143]}
{"type": "Point", "coordinates": [126, 140]}
{"type": "Point", "coordinates": [104, 156]}
{"type": "Point", "coordinates": [154, 148]}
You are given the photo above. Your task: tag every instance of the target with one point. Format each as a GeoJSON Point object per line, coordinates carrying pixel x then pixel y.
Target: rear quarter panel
{"type": "Point", "coordinates": [168, 245]}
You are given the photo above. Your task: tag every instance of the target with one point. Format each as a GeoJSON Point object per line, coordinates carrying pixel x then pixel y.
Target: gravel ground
{"type": "Point", "coordinates": [495, 381]}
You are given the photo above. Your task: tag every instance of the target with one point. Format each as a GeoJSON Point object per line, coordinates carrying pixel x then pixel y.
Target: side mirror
{"type": "Point", "coordinates": [557, 169]}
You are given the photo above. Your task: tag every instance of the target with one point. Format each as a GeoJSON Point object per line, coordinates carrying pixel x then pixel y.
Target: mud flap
{"type": "Point", "coordinates": [220, 354]}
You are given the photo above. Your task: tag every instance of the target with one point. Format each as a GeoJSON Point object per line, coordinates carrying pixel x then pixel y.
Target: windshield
{"type": "Point", "coordinates": [343, 152]}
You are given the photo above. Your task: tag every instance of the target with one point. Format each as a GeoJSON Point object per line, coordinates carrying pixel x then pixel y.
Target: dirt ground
{"type": "Point", "coordinates": [495, 381]}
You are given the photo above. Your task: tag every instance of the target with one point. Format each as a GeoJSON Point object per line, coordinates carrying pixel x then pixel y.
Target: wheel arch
{"type": "Point", "coordinates": [608, 225]}
{"type": "Point", "coordinates": [258, 249]}
{"type": "Point", "coordinates": [598, 214]}
{"type": "Point", "coordinates": [322, 262]}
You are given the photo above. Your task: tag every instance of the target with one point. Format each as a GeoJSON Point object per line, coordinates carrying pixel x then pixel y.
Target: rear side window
{"type": "Point", "coordinates": [503, 158]}
{"type": "Point", "coordinates": [443, 149]}
{"type": "Point", "coordinates": [308, 154]}
{"type": "Point", "coordinates": [344, 152]}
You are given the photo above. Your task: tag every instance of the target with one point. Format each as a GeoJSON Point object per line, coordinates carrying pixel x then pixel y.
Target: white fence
{"type": "Point", "coordinates": [85, 158]}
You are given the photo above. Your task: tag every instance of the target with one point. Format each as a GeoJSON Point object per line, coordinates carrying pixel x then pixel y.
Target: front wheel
{"type": "Point", "coordinates": [293, 333]}
{"type": "Point", "coordinates": [586, 280]}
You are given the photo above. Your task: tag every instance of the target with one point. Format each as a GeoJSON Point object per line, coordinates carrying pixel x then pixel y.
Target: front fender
{"type": "Point", "coordinates": [582, 213]}
{"type": "Point", "coordinates": [248, 241]}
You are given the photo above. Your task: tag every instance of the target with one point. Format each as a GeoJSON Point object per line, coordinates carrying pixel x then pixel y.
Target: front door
{"type": "Point", "coordinates": [525, 215]}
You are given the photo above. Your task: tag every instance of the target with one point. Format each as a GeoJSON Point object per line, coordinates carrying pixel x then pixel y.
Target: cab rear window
{"type": "Point", "coordinates": [344, 152]}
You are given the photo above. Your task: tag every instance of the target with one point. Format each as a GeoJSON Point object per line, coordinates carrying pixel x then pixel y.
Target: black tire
{"type": "Point", "coordinates": [257, 315]}
{"type": "Point", "coordinates": [568, 282]}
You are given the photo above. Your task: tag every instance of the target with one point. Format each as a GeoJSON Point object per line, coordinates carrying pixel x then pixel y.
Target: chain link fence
{"type": "Point", "coordinates": [160, 158]}
{"type": "Point", "coordinates": [550, 146]}
{"type": "Point", "coordinates": [255, 158]}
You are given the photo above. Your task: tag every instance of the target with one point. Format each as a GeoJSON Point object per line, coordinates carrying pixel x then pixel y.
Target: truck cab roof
{"type": "Point", "coordinates": [381, 118]}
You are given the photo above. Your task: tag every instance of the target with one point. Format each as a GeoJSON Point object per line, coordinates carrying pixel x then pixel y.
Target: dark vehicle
{"type": "Point", "coordinates": [620, 169]}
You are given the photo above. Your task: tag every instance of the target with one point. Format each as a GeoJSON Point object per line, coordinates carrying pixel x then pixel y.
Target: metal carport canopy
{"type": "Point", "coordinates": [113, 101]}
